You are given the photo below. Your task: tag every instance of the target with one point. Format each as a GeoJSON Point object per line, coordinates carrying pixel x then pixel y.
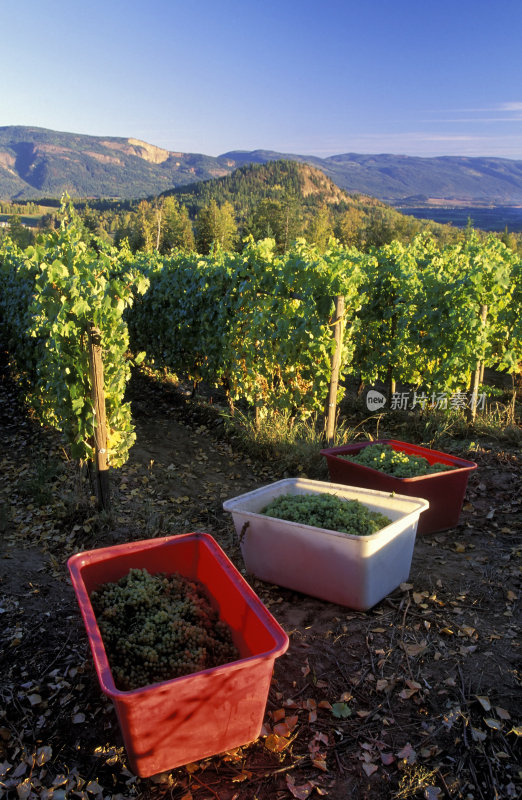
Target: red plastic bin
{"type": "Point", "coordinates": [168, 724]}
{"type": "Point", "coordinates": [444, 490]}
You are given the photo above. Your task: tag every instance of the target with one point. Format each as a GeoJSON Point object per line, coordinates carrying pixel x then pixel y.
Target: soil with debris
{"type": "Point", "coordinates": [420, 697]}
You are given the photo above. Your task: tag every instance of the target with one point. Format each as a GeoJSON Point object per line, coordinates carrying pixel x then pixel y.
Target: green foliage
{"type": "Point", "coordinates": [257, 322]}
{"type": "Point", "coordinates": [51, 295]}
{"type": "Point", "coordinates": [215, 227]}
{"type": "Point", "coordinates": [420, 319]}
{"type": "Point", "coordinates": [458, 282]}
{"type": "Point", "coordinates": [392, 288]}
{"type": "Point", "coordinates": [17, 232]}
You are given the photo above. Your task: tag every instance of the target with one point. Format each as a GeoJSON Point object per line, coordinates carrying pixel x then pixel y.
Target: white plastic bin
{"type": "Point", "coordinates": [351, 570]}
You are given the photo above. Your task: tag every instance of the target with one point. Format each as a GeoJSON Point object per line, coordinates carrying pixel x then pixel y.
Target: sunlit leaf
{"type": "Point", "coordinates": [5, 766]}
{"type": "Point", "coordinates": [276, 744]}
{"type": "Point", "coordinates": [43, 754]}
{"type": "Point", "coordinates": [245, 775]}
{"type": "Point", "coordinates": [23, 790]}
{"type": "Point", "coordinates": [282, 729]}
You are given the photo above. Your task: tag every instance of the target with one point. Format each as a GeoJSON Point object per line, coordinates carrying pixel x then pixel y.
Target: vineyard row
{"type": "Point", "coordinates": [256, 323]}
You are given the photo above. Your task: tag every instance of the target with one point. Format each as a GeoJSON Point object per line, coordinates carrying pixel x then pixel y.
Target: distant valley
{"type": "Point", "coordinates": [38, 163]}
{"type": "Point", "coordinates": [487, 218]}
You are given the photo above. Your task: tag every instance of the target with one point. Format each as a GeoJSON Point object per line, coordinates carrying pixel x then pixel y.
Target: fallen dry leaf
{"type": "Point", "coordinates": [245, 775]}
{"type": "Point", "coordinates": [324, 704]}
{"type": "Point", "coordinates": [281, 729]}
{"type": "Point", "coordinates": [478, 735]}
{"type": "Point", "coordinates": [43, 754]}
{"type": "Point", "coordinates": [300, 792]}
{"type": "Point", "coordinates": [414, 649]}
{"type": "Point", "coordinates": [276, 744]}
{"type": "Point", "coordinates": [23, 789]}
{"type": "Point", "coordinates": [493, 723]}
{"type": "Point", "coordinates": [408, 754]}
{"type": "Point", "coordinates": [484, 702]}
{"type": "Point", "coordinates": [405, 694]}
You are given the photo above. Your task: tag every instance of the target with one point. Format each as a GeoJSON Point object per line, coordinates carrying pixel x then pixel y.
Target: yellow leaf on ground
{"type": "Point", "coordinates": [276, 744]}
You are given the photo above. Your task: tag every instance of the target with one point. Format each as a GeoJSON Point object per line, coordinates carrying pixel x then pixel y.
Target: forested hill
{"type": "Point", "coordinates": [282, 182]}
{"type": "Point", "coordinates": [283, 200]}
{"type": "Point", "coordinates": [37, 162]}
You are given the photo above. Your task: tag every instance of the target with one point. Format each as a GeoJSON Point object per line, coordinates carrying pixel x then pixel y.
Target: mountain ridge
{"type": "Point", "coordinates": [40, 162]}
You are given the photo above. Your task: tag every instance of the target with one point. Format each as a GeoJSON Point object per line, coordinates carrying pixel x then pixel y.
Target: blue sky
{"type": "Point", "coordinates": [418, 77]}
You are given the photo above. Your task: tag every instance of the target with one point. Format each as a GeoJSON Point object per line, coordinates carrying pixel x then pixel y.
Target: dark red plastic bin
{"type": "Point", "coordinates": [175, 722]}
{"type": "Point", "coordinates": [444, 490]}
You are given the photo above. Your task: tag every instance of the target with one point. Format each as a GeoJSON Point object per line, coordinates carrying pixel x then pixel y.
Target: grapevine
{"type": "Point", "coordinates": [327, 511]}
{"type": "Point", "coordinates": [51, 295]}
{"type": "Point", "coordinates": [158, 627]}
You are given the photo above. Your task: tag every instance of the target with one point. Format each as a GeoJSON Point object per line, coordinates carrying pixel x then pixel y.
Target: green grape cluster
{"type": "Point", "coordinates": [158, 627]}
{"type": "Point", "coordinates": [394, 462]}
{"type": "Point", "coordinates": [327, 511]}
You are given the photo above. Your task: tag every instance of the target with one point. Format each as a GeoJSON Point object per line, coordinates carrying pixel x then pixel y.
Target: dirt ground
{"type": "Point", "coordinates": [420, 697]}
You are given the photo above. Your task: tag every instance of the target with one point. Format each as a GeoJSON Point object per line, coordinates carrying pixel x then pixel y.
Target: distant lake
{"type": "Point", "coordinates": [487, 219]}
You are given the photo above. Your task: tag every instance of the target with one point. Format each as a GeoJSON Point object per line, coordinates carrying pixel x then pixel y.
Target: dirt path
{"type": "Point", "coordinates": [427, 683]}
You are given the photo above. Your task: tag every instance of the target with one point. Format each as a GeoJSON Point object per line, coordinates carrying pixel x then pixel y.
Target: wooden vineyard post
{"type": "Point", "coordinates": [100, 426]}
{"type": "Point", "coordinates": [477, 372]}
{"type": "Point", "coordinates": [337, 323]}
